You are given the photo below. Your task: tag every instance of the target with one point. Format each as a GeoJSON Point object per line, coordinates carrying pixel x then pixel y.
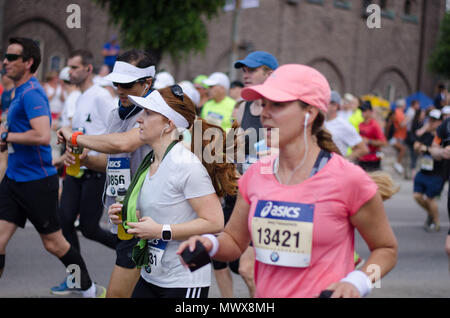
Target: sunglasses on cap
{"type": "Point", "coordinates": [177, 91]}
{"type": "Point", "coordinates": [12, 57]}
{"type": "Point", "coordinates": [128, 85]}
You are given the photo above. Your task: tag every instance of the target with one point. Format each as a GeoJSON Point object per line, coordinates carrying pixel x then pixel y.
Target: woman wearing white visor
{"type": "Point", "coordinates": [175, 196]}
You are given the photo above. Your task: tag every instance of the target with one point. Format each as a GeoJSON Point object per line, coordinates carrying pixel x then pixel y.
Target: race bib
{"type": "Point", "coordinates": [118, 173]}
{"type": "Point", "coordinates": [214, 118]}
{"type": "Point", "coordinates": [282, 233]}
{"type": "Point", "coordinates": [426, 163]}
{"type": "Point", "coordinates": [156, 250]}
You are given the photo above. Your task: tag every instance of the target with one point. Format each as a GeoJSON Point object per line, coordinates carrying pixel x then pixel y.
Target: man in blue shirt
{"type": "Point", "coordinates": [110, 51]}
{"type": "Point", "coordinates": [29, 189]}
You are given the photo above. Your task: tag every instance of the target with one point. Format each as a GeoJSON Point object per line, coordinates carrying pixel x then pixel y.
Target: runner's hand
{"type": "Point", "coordinates": [113, 213]}
{"type": "Point", "coordinates": [190, 243]}
{"type": "Point", "coordinates": [344, 290]}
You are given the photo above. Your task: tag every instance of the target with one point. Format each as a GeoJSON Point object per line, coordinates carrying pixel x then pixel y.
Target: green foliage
{"type": "Point", "coordinates": [173, 26]}
{"type": "Point", "coordinates": [439, 62]}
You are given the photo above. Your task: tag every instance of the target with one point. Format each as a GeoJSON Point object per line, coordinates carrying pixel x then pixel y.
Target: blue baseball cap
{"type": "Point", "coordinates": [257, 59]}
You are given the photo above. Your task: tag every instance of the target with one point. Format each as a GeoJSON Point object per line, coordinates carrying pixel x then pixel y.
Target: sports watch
{"type": "Point", "coordinates": [4, 136]}
{"type": "Point", "coordinates": [166, 233]}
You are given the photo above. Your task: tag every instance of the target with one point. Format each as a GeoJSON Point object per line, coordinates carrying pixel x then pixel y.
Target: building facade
{"type": "Point", "coordinates": [330, 35]}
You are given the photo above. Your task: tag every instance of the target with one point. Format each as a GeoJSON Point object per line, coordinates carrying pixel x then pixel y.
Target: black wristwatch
{"type": "Point", "coordinates": [4, 136]}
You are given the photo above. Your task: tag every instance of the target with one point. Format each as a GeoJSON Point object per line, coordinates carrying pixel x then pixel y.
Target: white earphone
{"type": "Point", "coordinates": [306, 118]}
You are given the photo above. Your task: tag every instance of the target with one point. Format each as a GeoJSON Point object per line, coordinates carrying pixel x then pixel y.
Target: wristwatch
{"type": "Point", "coordinates": [4, 136]}
{"type": "Point", "coordinates": [166, 233]}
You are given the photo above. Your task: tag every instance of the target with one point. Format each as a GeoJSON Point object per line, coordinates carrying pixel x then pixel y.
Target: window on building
{"type": "Point", "coordinates": [55, 63]}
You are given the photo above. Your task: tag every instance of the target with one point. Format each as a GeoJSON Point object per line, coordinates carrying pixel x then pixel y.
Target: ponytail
{"type": "Point", "coordinates": [324, 138]}
{"type": "Point", "coordinates": [222, 172]}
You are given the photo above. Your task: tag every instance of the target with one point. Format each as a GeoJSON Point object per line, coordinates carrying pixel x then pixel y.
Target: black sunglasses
{"type": "Point", "coordinates": [12, 57]}
{"type": "Point", "coordinates": [177, 91]}
{"type": "Point", "coordinates": [128, 85]}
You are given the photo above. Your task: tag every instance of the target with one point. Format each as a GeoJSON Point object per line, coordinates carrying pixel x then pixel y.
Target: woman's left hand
{"type": "Point", "coordinates": [146, 228]}
{"type": "Point", "coordinates": [344, 290]}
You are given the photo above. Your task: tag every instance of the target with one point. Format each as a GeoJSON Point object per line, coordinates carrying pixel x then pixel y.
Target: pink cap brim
{"type": "Point", "coordinates": [270, 93]}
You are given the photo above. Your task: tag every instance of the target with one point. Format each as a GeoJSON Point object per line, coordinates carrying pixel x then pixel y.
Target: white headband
{"type": "Point", "coordinates": [126, 73]}
{"type": "Point", "coordinates": [155, 102]}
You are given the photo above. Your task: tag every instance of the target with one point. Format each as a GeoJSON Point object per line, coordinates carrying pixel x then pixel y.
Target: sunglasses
{"type": "Point", "coordinates": [177, 91]}
{"type": "Point", "coordinates": [128, 85]}
{"type": "Point", "coordinates": [12, 57]}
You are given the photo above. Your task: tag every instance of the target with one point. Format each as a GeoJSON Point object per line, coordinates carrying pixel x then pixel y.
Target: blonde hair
{"type": "Point", "coordinates": [385, 184]}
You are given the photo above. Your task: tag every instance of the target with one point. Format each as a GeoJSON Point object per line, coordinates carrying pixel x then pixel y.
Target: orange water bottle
{"type": "Point", "coordinates": [121, 233]}
{"type": "Point", "coordinates": [74, 169]}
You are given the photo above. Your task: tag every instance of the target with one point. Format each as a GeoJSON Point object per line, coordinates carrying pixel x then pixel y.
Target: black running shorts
{"type": "Point", "coordinates": [36, 201]}
{"type": "Point", "coordinates": [123, 253]}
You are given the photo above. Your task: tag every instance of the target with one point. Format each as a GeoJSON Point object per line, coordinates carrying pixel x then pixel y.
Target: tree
{"type": "Point", "coordinates": [439, 62]}
{"type": "Point", "coordinates": [163, 26]}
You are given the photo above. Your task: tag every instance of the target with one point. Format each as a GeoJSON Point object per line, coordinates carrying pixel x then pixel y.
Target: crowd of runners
{"type": "Point", "coordinates": [261, 171]}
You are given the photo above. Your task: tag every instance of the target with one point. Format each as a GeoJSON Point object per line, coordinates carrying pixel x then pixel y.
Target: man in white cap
{"type": "Point", "coordinates": [163, 79]}
{"type": "Point", "coordinates": [343, 133]}
{"type": "Point", "coordinates": [219, 109]}
{"type": "Point", "coordinates": [133, 74]}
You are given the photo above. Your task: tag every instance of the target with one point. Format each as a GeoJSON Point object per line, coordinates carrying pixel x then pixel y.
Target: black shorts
{"type": "Point", "coordinates": [123, 253]}
{"type": "Point", "coordinates": [36, 201]}
{"type": "Point", "coordinates": [145, 289]}
{"type": "Point", "coordinates": [234, 266]}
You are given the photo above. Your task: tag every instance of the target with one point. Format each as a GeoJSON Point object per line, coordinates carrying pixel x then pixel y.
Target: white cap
{"type": "Point", "coordinates": [155, 102]}
{"type": "Point", "coordinates": [64, 74]}
{"type": "Point", "coordinates": [446, 110]}
{"type": "Point", "coordinates": [218, 78]}
{"type": "Point", "coordinates": [163, 80]}
{"type": "Point", "coordinates": [102, 81]}
{"type": "Point", "coordinates": [190, 90]}
{"type": "Point", "coordinates": [126, 73]}
{"type": "Point", "coordinates": [400, 102]}
{"type": "Point", "coordinates": [435, 113]}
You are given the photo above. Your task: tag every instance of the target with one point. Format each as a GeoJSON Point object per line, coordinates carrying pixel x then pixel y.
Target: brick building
{"type": "Point", "coordinates": [330, 35]}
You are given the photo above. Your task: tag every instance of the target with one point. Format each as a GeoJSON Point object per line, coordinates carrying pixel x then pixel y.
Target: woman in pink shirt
{"type": "Point", "coordinates": [300, 207]}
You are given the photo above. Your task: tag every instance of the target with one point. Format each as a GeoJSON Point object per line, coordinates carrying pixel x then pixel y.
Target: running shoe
{"type": "Point", "coordinates": [100, 292]}
{"type": "Point", "coordinates": [63, 289]}
{"type": "Point", "coordinates": [433, 227]}
{"type": "Point", "coordinates": [399, 168]}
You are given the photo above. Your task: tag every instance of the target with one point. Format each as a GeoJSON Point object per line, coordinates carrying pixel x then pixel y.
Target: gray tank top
{"type": "Point", "coordinates": [250, 121]}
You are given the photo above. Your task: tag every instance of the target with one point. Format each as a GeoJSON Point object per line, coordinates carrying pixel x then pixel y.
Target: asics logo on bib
{"type": "Point", "coordinates": [280, 210]}
{"type": "Point", "coordinates": [114, 164]}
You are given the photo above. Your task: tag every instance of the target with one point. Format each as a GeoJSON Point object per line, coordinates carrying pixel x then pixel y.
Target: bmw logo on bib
{"type": "Point", "coordinates": [274, 257]}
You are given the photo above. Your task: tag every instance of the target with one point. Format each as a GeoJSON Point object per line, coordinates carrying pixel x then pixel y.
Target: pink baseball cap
{"type": "Point", "coordinates": [292, 82]}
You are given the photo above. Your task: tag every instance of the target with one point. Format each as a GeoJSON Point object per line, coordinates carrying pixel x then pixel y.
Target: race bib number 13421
{"type": "Point", "coordinates": [282, 233]}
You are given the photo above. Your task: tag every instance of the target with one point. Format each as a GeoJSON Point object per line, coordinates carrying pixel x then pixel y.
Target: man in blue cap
{"type": "Point", "coordinates": [256, 67]}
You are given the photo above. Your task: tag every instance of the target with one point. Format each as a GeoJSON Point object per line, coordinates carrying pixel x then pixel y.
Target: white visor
{"type": "Point", "coordinates": [155, 102]}
{"type": "Point", "coordinates": [126, 73]}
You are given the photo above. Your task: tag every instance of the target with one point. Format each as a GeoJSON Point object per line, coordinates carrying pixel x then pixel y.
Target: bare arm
{"type": "Point", "coordinates": [110, 143]}
{"type": "Point", "coordinates": [358, 151]}
{"type": "Point", "coordinates": [234, 240]}
{"type": "Point", "coordinates": [210, 220]}
{"type": "Point", "coordinates": [38, 135]}
{"type": "Point", "coordinates": [372, 223]}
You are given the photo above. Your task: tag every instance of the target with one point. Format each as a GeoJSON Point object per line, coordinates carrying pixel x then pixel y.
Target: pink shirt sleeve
{"type": "Point", "coordinates": [359, 188]}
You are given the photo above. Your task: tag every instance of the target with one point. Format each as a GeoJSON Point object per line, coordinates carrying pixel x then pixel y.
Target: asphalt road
{"type": "Point", "coordinates": [422, 270]}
